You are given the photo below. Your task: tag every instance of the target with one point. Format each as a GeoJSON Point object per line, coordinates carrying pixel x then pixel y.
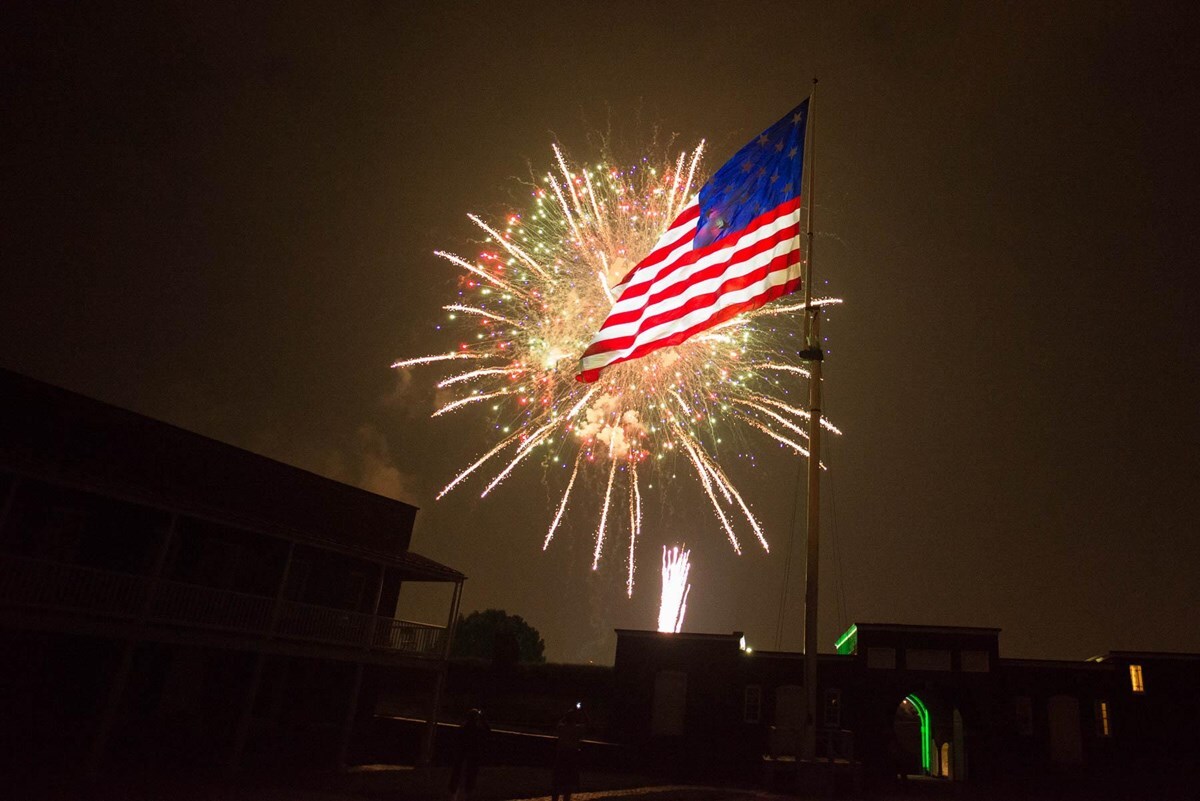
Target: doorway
{"type": "Point", "coordinates": [913, 740]}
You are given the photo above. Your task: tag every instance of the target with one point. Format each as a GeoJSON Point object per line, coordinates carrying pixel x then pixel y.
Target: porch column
{"type": "Point", "coordinates": [242, 732]}
{"type": "Point", "coordinates": [116, 689]}
{"type": "Point", "coordinates": [427, 747]}
{"type": "Point", "coordinates": [356, 686]}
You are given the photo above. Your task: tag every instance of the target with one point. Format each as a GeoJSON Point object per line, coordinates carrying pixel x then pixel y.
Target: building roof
{"type": "Point", "coordinates": [682, 635]}
{"type": "Point", "coordinates": [919, 629]}
{"type": "Point", "coordinates": [1057, 664]}
{"type": "Point", "coordinates": [414, 567]}
{"type": "Point", "coordinates": [62, 437]}
{"type": "Point", "coordinates": [1127, 656]}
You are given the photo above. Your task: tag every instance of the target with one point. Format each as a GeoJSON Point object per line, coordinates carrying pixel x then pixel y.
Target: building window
{"type": "Point", "coordinates": [833, 709]}
{"type": "Point", "coordinates": [926, 659]}
{"type": "Point", "coordinates": [1103, 728]}
{"type": "Point", "coordinates": [881, 658]}
{"type": "Point", "coordinates": [752, 704]}
{"type": "Point", "coordinates": [973, 661]}
{"type": "Point", "coordinates": [1135, 679]}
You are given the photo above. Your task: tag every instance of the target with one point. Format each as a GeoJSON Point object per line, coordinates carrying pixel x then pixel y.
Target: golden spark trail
{"type": "Point", "coordinates": [509, 246]}
{"type": "Point", "coordinates": [457, 307]}
{"type": "Point", "coordinates": [718, 480]}
{"type": "Point", "coordinates": [587, 176]}
{"type": "Point", "coordinates": [562, 202]}
{"type": "Point", "coordinates": [783, 368]}
{"type": "Point", "coordinates": [445, 357]}
{"type": "Point", "coordinates": [783, 421]}
{"type": "Point", "coordinates": [778, 437]}
{"type": "Point", "coordinates": [719, 475]}
{"type": "Point", "coordinates": [456, 404]}
{"type": "Point", "coordinates": [485, 371]}
{"type": "Point", "coordinates": [706, 483]}
{"type": "Point", "coordinates": [687, 188]}
{"type": "Point", "coordinates": [635, 524]}
{"type": "Point", "coordinates": [607, 291]}
{"type": "Point", "coordinates": [782, 439]}
{"type": "Point", "coordinates": [503, 444]}
{"type": "Point", "coordinates": [679, 398]}
{"type": "Point", "coordinates": [562, 506]}
{"type": "Point", "coordinates": [796, 410]}
{"type": "Point", "coordinates": [479, 271]}
{"type": "Point", "coordinates": [582, 401]}
{"type": "Point", "coordinates": [773, 311]}
{"type": "Point", "coordinates": [522, 452]}
{"type": "Point", "coordinates": [612, 473]}
{"type": "Point", "coordinates": [675, 185]}
{"type": "Point", "coordinates": [569, 179]}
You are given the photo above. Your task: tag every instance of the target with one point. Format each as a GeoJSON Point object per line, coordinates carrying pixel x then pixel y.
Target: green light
{"type": "Point", "coordinates": [849, 636]}
{"type": "Point", "coordinates": [926, 735]}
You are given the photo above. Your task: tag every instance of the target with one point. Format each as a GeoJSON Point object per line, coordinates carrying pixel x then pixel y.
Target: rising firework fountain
{"type": "Point", "coordinates": [675, 589]}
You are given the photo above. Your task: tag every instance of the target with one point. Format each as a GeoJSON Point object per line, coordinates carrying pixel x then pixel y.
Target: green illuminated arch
{"type": "Point", "coordinates": [926, 732]}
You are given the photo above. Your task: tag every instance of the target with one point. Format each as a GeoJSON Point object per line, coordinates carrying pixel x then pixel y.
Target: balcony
{"type": "Point", "coordinates": [53, 586]}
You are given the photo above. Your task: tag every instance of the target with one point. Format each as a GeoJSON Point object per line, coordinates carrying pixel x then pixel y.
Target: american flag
{"type": "Point", "coordinates": [733, 248]}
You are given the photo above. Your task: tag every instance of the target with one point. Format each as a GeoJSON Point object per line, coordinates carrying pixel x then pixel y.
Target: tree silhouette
{"type": "Point", "coordinates": [495, 635]}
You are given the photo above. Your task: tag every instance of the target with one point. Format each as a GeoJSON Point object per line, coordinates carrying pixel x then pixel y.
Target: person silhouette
{"type": "Point", "coordinates": [566, 753]}
{"type": "Point", "coordinates": [469, 745]}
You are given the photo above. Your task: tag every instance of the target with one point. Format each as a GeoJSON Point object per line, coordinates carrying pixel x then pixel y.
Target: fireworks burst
{"type": "Point", "coordinates": [530, 303]}
{"type": "Point", "coordinates": [675, 589]}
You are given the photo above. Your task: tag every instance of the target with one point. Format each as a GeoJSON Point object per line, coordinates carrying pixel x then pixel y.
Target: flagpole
{"type": "Point", "coordinates": [813, 354]}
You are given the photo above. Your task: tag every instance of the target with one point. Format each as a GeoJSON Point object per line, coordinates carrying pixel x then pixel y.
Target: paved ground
{"type": "Point", "coordinates": [400, 783]}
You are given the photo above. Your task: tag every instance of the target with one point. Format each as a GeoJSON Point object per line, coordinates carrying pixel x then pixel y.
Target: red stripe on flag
{"type": "Point", "coordinates": [689, 214]}
{"type": "Point", "coordinates": [712, 271]}
{"type": "Point", "coordinates": [728, 313]}
{"type": "Point", "coordinates": [691, 256]}
{"type": "Point", "coordinates": [759, 275]}
{"type": "Point", "coordinates": [662, 277]}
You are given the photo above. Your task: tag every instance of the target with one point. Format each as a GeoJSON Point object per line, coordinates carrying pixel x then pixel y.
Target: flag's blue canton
{"type": "Point", "coordinates": [762, 175]}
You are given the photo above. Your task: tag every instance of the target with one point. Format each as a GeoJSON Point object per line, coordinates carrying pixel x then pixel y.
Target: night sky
{"type": "Point", "coordinates": [223, 217]}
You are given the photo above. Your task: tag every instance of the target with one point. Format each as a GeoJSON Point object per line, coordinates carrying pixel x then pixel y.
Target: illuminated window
{"type": "Point", "coordinates": [1135, 679]}
{"type": "Point", "coordinates": [1102, 725]}
{"type": "Point", "coordinates": [944, 767]}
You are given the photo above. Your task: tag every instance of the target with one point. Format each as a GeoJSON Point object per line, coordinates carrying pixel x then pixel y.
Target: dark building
{"type": "Point", "coordinates": [167, 596]}
{"type": "Point", "coordinates": [906, 701]}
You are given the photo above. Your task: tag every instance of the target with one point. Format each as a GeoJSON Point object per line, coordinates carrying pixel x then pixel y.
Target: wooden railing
{"type": "Point", "coordinates": [41, 584]}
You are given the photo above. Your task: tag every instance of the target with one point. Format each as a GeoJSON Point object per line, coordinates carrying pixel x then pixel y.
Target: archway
{"type": "Point", "coordinates": [913, 733]}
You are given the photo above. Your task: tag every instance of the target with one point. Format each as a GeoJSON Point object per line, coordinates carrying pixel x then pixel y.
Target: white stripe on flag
{"type": "Point", "coordinates": [683, 278]}
{"type": "Point", "coordinates": [672, 294]}
{"type": "Point", "coordinates": [726, 299]}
